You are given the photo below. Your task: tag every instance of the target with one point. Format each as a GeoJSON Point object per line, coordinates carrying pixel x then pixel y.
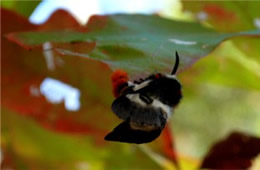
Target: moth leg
{"type": "Point", "coordinates": [139, 81]}
{"type": "Point", "coordinates": [145, 98]}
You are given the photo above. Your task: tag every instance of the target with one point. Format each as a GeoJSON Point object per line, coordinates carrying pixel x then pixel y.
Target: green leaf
{"type": "Point", "coordinates": [137, 43]}
{"type": "Point", "coordinates": [24, 8]}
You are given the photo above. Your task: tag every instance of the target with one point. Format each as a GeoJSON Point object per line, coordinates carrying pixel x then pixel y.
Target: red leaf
{"type": "Point", "coordinates": [234, 152]}
{"type": "Point", "coordinates": [60, 20]}
{"type": "Point", "coordinates": [219, 13]}
{"type": "Point", "coordinates": [168, 145]}
{"type": "Point", "coordinates": [23, 72]}
{"type": "Point", "coordinates": [21, 23]}
{"type": "Point", "coordinates": [96, 22]}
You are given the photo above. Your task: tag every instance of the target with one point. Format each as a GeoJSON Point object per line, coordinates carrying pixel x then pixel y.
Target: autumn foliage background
{"type": "Point", "coordinates": [219, 71]}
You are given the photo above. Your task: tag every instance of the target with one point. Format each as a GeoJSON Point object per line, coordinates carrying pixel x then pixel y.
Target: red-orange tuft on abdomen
{"type": "Point", "coordinates": [119, 77]}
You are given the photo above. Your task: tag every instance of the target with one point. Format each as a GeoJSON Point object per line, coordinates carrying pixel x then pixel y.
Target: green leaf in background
{"type": "Point", "coordinates": [229, 66]}
{"type": "Point", "coordinates": [137, 43]}
{"type": "Point", "coordinates": [235, 63]}
{"type": "Point", "coordinates": [23, 7]}
{"type": "Point", "coordinates": [209, 112]}
{"type": "Point", "coordinates": [230, 16]}
{"type": "Point", "coordinates": [39, 146]}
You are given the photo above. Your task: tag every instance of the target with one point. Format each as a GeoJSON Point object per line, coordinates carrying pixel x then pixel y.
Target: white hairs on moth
{"type": "Point", "coordinates": [155, 104]}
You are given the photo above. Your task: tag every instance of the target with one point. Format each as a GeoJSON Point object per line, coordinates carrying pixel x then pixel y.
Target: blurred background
{"type": "Point", "coordinates": [56, 109]}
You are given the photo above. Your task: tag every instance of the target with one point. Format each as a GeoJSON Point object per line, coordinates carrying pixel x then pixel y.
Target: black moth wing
{"type": "Point", "coordinates": [124, 133]}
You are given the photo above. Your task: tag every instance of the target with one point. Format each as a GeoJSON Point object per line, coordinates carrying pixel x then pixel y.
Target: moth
{"type": "Point", "coordinates": [144, 105]}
